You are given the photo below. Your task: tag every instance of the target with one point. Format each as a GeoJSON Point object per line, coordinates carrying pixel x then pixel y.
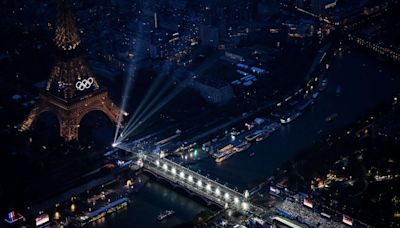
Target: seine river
{"type": "Point", "coordinates": [364, 83]}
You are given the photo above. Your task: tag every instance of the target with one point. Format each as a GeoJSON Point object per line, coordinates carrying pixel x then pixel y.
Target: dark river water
{"type": "Point", "coordinates": [364, 83]}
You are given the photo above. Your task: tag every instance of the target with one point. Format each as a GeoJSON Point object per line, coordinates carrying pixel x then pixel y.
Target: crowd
{"type": "Point", "coordinates": [307, 215]}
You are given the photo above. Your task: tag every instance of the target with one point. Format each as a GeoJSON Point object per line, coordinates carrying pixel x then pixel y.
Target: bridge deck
{"type": "Point", "coordinates": [198, 184]}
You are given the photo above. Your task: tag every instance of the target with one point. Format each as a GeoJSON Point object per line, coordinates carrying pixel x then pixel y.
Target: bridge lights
{"type": "Point", "coordinates": [246, 194]}
{"type": "Point", "coordinates": [199, 183]}
{"type": "Point", "coordinates": [217, 192]}
{"type": "Point", "coordinates": [57, 215]}
{"type": "Point", "coordinates": [190, 178]}
{"type": "Point", "coordinates": [182, 175]}
{"type": "Point", "coordinates": [245, 206]}
{"type": "Point", "coordinates": [236, 200]}
{"type": "Point", "coordinates": [226, 196]}
{"type": "Point", "coordinates": [158, 163]}
{"type": "Point", "coordinates": [208, 187]}
{"type": "Point", "coordinates": [73, 207]}
{"type": "Point", "coordinates": [165, 167]}
{"type": "Point", "coordinates": [140, 163]}
{"type": "Point", "coordinates": [173, 171]}
{"type": "Point", "coordinates": [162, 154]}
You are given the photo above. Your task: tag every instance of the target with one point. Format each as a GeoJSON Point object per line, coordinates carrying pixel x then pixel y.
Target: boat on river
{"type": "Point", "coordinates": [290, 117]}
{"type": "Point", "coordinates": [165, 214]}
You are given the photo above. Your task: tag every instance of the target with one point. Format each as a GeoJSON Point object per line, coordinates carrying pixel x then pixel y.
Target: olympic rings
{"type": "Point", "coordinates": [84, 84]}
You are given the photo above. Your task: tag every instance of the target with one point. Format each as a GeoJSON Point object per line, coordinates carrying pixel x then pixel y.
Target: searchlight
{"type": "Point", "coordinates": [115, 144]}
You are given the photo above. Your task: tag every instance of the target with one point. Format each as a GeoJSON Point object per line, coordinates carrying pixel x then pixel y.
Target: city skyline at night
{"type": "Point", "coordinates": [181, 113]}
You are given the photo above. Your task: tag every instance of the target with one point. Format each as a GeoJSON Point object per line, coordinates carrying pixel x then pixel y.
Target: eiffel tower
{"type": "Point", "coordinates": [72, 90]}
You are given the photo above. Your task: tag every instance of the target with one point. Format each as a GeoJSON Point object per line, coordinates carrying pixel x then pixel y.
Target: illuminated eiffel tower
{"type": "Point", "coordinates": [72, 90]}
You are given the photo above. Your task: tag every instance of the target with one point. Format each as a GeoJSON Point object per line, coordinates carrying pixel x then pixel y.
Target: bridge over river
{"type": "Point", "coordinates": [197, 184]}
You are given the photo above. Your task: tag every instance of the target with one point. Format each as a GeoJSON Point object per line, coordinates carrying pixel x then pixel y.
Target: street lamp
{"type": "Point", "coordinates": [217, 191]}
{"type": "Point", "coordinates": [57, 215]}
{"type": "Point", "coordinates": [226, 196]}
{"type": "Point", "coordinates": [245, 206]}
{"type": "Point", "coordinates": [246, 194]}
{"type": "Point", "coordinates": [72, 207]}
{"type": "Point", "coordinates": [182, 174]}
{"type": "Point", "coordinates": [236, 200]}
{"type": "Point", "coordinates": [199, 183]}
{"type": "Point", "coordinates": [162, 154]}
{"type": "Point", "coordinates": [140, 163]}
{"type": "Point", "coordinates": [208, 187]}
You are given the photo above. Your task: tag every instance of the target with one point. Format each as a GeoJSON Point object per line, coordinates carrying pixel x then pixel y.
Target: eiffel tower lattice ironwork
{"type": "Point", "coordinates": [72, 90]}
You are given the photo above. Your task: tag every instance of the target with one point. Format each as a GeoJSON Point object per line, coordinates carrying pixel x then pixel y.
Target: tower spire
{"type": "Point", "coordinates": [66, 36]}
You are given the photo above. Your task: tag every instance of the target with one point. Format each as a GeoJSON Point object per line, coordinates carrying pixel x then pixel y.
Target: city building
{"type": "Point", "coordinates": [212, 90]}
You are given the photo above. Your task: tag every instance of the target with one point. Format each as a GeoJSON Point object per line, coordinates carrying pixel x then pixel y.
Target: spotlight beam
{"type": "Point", "coordinates": [152, 104]}
{"type": "Point", "coordinates": [149, 114]}
{"type": "Point", "coordinates": [148, 95]}
{"type": "Point", "coordinates": [143, 110]}
{"type": "Point", "coordinates": [131, 70]}
{"type": "Point", "coordinates": [127, 89]}
{"type": "Point", "coordinates": [142, 103]}
{"type": "Point", "coordinates": [165, 101]}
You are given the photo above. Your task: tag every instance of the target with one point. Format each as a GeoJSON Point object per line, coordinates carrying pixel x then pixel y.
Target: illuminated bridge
{"type": "Point", "coordinates": [197, 184]}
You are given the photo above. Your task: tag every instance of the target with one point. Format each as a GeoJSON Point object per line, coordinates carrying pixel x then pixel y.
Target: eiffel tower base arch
{"type": "Point", "coordinates": [70, 114]}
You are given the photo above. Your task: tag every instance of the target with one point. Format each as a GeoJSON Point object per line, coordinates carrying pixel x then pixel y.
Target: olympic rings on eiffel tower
{"type": "Point", "coordinates": [84, 84]}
